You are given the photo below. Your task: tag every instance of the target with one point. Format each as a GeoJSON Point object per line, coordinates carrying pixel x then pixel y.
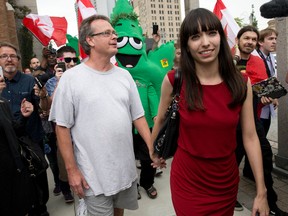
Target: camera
{"type": "Point", "coordinates": [61, 65]}
{"type": "Point", "coordinates": [41, 80]}
{"type": "Point", "coordinates": [155, 29]}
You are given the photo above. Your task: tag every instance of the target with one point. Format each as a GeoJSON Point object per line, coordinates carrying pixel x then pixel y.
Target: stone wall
{"type": "Point", "coordinates": [281, 159]}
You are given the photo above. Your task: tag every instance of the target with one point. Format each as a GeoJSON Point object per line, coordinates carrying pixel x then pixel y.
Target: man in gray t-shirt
{"type": "Point", "coordinates": [94, 107]}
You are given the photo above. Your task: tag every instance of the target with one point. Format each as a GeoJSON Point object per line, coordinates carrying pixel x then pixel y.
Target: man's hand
{"type": "Point", "coordinates": [266, 100]}
{"type": "Point", "coordinates": [42, 93]}
{"type": "Point", "coordinates": [58, 72]}
{"type": "Point", "coordinates": [156, 37]}
{"type": "Point", "coordinates": [26, 108]}
{"type": "Point", "coordinates": [157, 162]}
{"type": "Point", "coordinates": [275, 103]}
{"type": "Point", "coordinates": [77, 182]}
{"type": "Point", "coordinates": [45, 52]}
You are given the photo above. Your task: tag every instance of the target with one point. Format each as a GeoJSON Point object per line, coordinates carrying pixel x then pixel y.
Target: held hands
{"type": "Point", "coordinates": [157, 162]}
{"type": "Point", "coordinates": [77, 182]}
{"type": "Point", "coordinates": [26, 108]}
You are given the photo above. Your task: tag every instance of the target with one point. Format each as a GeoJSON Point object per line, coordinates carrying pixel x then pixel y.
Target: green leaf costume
{"type": "Point", "coordinates": [149, 70]}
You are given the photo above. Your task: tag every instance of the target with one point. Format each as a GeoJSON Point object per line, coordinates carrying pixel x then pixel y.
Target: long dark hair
{"type": "Point", "coordinates": [204, 20]}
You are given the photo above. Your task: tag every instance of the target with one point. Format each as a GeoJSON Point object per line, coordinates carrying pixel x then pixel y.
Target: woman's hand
{"type": "Point", "coordinates": [260, 206]}
{"type": "Point", "coordinates": [26, 108]}
{"type": "Point", "coordinates": [157, 162]}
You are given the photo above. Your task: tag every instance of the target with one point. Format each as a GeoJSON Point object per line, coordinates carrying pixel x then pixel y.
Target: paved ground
{"type": "Point", "coordinates": [162, 205]}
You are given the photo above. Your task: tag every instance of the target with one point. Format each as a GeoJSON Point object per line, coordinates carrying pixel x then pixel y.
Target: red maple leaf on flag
{"type": "Point", "coordinates": [46, 28]}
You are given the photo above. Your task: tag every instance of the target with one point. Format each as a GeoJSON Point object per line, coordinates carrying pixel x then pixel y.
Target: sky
{"type": "Point", "coordinates": [237, 8]}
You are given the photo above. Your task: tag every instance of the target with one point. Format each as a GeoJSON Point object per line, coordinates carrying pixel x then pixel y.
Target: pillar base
{"type": "Point", "coordinates": [281, 165]}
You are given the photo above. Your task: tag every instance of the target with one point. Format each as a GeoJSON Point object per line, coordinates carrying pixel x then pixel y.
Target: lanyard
{"type": "Point", "coordinates": [270, 70]}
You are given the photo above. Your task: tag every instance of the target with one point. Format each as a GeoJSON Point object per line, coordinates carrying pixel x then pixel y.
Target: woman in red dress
{"type": "Point", "coordinates": [214, 98]}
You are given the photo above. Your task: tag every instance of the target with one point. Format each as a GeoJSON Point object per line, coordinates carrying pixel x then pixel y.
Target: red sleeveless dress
{"type": "Point", "coordinates": [204, 172]}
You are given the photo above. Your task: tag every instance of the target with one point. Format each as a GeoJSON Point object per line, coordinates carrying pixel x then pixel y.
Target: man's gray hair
{"type": "Point", "coordinates": [86, 31]}
{"type": "Point", "coordinates": [7, 44]}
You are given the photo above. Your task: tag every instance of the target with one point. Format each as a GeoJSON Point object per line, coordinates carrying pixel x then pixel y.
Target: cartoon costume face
{"type": "Point", "coordinates": [132, 56]}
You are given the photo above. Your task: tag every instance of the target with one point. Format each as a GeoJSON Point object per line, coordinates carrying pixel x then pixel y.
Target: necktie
{"type": "Point", "coordinates": [270, 65]}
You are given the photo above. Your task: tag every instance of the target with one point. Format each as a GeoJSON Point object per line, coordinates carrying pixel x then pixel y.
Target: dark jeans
{"type": "Point", "coordinates": [53, 162]}
{"type": "Point", "coordinates": [147, 171]}
{"type": "Point", "coordinates": [267, 162]}
{"type": "Point", "coordinates": [266, 124]}
{"type": "Point", "coordinates": [65, 187]}
{"type": "Point", "coordinates": [52, 157]}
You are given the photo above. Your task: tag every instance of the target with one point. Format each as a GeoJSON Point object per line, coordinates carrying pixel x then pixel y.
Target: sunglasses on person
{"type": "Point", "coordinates": [69, 59]}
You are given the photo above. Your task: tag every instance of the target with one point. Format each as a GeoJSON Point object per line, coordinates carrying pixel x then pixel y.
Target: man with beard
{"type": "Point", "coordinates": [34, 64]}
{"type": "Point", "coordinates": [254, 67]}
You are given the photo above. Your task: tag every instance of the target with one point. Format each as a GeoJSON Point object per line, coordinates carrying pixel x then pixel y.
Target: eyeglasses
{"type": "Point", "coordinates": [12, 57]}
{"type": "Point", "coordinates": [105, 33]}
{"type": "Point", "coordinates": [69, 59]}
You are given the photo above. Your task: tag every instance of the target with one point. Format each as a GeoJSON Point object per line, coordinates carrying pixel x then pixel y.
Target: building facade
{"type": "Point", "coordinates": [164, 13]}
{"type": "Point", "coordinates": [8, 24]}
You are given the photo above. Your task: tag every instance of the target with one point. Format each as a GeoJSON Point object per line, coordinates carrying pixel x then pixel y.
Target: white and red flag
{"type": "Point", "coordinates": [229, 25]}
{"type": "Point", "coordinates": [85, 10]}
{"type": "Point", "coordinates": [231, 29]}
{"type": "Point", "coordinates": [46, 28]}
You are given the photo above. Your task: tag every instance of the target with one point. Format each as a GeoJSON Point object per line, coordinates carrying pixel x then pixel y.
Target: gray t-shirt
{"type": "Point", "coordinates": [99, 108]}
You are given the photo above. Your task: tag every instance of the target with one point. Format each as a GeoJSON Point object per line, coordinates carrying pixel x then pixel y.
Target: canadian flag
{"type": "Point", "coordinates": [85, 10]}
{"type": "Point", "coordinates": [231, 29]}
{"type": "Point", "coordinates": [46, 28]}
{"type": "Point", "coordinates": [229, 25]}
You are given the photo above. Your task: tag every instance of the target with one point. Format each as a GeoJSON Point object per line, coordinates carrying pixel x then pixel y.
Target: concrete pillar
{"type": "Point", "coordinates": [190, 4]}
{"type": "Point", "coordinates": [281, 159]}
{"type": "Point", "coordinates": [4, 33]}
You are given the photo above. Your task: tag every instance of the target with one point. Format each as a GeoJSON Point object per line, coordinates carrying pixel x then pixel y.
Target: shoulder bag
{"type": "Point", "coordinates": [165, 144]}
{"type": "Point", "coordinates": [32, 156]}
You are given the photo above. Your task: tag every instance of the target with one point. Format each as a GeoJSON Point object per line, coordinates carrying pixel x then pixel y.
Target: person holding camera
{"type": "Point", "coordinates": [48, 61]}
{"type": "Point", "coordinates": [66, 59]}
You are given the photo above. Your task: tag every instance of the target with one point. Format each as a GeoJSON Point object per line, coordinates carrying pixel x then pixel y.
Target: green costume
{"type": "Point", "coordinates": [149, 70]}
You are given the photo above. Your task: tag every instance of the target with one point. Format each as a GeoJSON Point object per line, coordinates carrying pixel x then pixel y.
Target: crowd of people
{"type": "Point", "coordinates": [85, 121]}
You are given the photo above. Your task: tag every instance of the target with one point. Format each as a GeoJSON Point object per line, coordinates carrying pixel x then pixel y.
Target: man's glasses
{"type": "Point", "coordinates": [12, 57]}
{"type": "Point", "coordinates": [105, 33]}
{"type": "Point", "coordinates": [69, 59]}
